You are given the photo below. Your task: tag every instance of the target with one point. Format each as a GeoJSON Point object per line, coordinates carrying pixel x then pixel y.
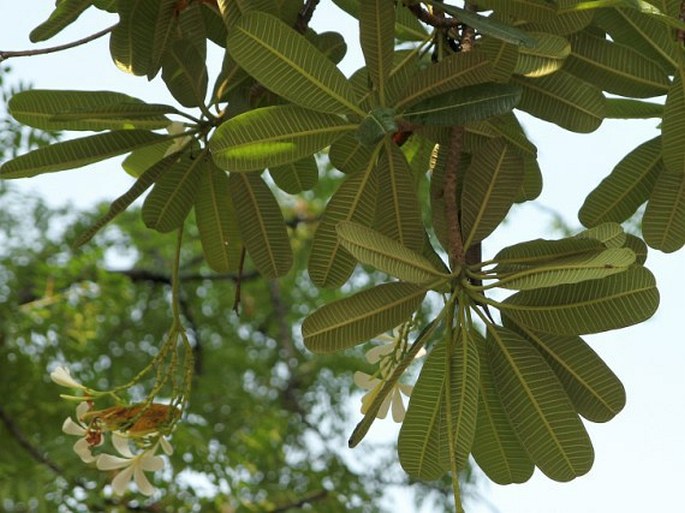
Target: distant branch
{"type": "Point", "coordinates": [313, 497]}
{"type": "Point", "coordinates": [4, 55]}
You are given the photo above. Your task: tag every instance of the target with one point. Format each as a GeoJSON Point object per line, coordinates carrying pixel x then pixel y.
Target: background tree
{"type": "Point", "coordinates": [506, 386]}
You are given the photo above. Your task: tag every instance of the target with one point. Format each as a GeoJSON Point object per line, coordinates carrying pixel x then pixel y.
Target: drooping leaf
{"type": "Point", "coordinates": [364, 315]}
{"type": "Point", "coordinates": [385, 254]}
{"type": "Point", "coordinates": [163, 31]}
{"type": "Point", "coordinates": [663, 225]}
{"type": "Point", "coordinates": [216, 220]}
{"type": "Point", "coordinates": [563, 99]}
{"type": "Point", "coordinates": [570, 270]}
{"type": "Point", "coordinates": [330, 265]}
{"type": "Point", "coordinates": [593, 306]}
{"type": "Point", "coordinates": [496, 447]}
{"type": "Point", "coordinates": [673, 126]}
{"type": "Point", "coordinates": [261, 224]}
{"type": "Point", "coordinates": [295, 177]}
{"type": "Point", "coordinates": [398, 214]}
{"type": "Point", "coordinates": [192, 30]}
{"type": "Point", "coordinates": [628, 186]}
{"type": "Point", "coordinates": [287, 64]}
{"type": "Point", "coordinates": [132, 42]}
{"type": "Point", "coordinates": [331, 44]}
{"type": "Point", "coordinates": [531, 187]}
{"type": "Point", "coordinates": [171, 199]}
{"type": "Point", "coordinates": [185, 74]}
{"type": "Point", "coordinates": [464, 105]}
{"type": "Point", "coordinates": [273, 136]}
{"type": "Point", "coordinates": [453, 72]}
{"type": "Point", "coordinates": [595, 391]}
{"type": "Point", "coordinates": [77, 152]}
{"type": "Point", "coordinates": [65, 13]}
{"type": "Point", "coordinates": [377, 37]}
{"type": "Point", "coordinates": [86, 110]}
{"type": "Point", "coordinates": [491, 184]}
{"type": "Point", "coordinates": [615, 68]}
{"type": "Point", "coordinates": [142, 183]}
{"type": "Point", "coordinates": [538, 408]}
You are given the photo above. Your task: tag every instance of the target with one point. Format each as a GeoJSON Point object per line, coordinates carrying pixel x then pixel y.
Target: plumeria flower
{"type": "Point", "coordinates": [383, 354]}
{"type": "Point", "coordinates": [394, 398]}
{"type": "Point", "coordinates": [62, 377]}
{"type": "Point", "coordinates": [133, 466]}
{"type": "Point", "coordinates": [84, 444]}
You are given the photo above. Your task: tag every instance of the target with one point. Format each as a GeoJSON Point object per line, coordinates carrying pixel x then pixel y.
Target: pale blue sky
{"type": "Point", "coordinates": [640, 454]}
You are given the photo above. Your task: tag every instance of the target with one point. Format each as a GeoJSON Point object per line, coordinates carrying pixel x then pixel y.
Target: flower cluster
{"type": "Point", "coordinates": [387, 355]}
{"type": "Point", "coordinates": [136, 426]}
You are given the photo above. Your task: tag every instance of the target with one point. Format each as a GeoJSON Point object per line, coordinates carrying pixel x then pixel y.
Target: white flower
{"type": "Point", "coordinates": [62, 377]}
{"type": "Point", "coordinates": [176, 128]}
{"type": "Point", "coordinates": [133, 466]}
{"type": "Point", "coordinates": [83, 445]}
{"type": "Point", "coordinates": [383, 354]}
{"type": "Point", "coordinates": [394, 398]}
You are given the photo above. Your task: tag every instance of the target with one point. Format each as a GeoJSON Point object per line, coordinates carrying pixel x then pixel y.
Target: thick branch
{"type": "Point", "coordinates": [4, 55]}
{"type": "Point", "coordinates": [455, 241]}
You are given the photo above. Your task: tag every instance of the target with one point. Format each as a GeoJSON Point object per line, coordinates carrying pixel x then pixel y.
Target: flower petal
{"type": "Point", "coordinates": [82, 408]}
{"type": "Point", "coordinates": [82, 448]}
{"type": "Point", "coordinates": [374, 354]}
{"type": "Point", "coordinates": [405, 389]}
{"type": "Point", "coordinates": [72, 428]}
{"type": "Point", "coordinates": [121, 480]}
{"type": "Point", "coordinates": [385, 406]}
{"type": "Point", "coordinates": [364, 380]}
{"type": "Point", "coordinates": [120, 443]}
{"type": "Point", "coordinates": [62, 377]}
{"type": "Point", "coordinates": [141, 480]}
{"type": "Point", "coordinates": [151, 463]}
{"type": "Point", "coordinates": [109, 462]}
{"type": "Point", "coordinates": [166, 446]}
{"type": "Point", "coordinates": [397, 406]}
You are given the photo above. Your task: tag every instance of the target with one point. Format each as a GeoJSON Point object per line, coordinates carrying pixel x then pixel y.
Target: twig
{"type": "Point", "coordinates": [4, 55]}
{"type": "Point", "coordinates": [432, 19]}
{"type": "Point", "coordinates": [305, 15]}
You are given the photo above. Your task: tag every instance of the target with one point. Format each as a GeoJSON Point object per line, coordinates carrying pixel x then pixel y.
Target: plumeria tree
{"type": "Point", "coordinates": [430, 157]}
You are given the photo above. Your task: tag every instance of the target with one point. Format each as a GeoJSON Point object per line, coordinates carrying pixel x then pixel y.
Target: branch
{"type": "Point", "coordinates": [305, 15]}
{"type": "Point", "coordinates": [24, 442]}
{"type": "Point", "coordinates": [454, 239]}
{"type": "Point", "coordinates": [431, 19]}
{"type": "Point", "coordinates": [4, 55]}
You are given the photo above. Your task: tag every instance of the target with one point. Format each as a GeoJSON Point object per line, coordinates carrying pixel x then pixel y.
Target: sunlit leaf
{"type": "Point", "coordinates": [273, 136]}
{"type": "Point", "coordinates": [65, 13]}
{"type": "Point", "coordinates": [663, 224]}
{"type": "Point", "coordinates": [546, 56]}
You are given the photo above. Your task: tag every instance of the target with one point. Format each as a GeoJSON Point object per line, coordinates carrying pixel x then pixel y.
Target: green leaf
{"type": "Point", "coordinates": [377, 37]}
{"type": "Point", "coordinates": [185, 74]}
{"type": "Point", "coordinates": [628, 186]}
{"type": "Point", "coordinates": [546, 56]}
{"type": "Point", "coordinates": [398, 214]}
{"type": "Point", "coordinates": [610, 234]}
{"type": "Point", "coordinates": [387, 255]}
{"type": "Point", "coordinates": [663, 225]}
{"type": "Point", "coordinates": [132, 42]}
{"type": "Point", "coordinates": [537, 406]}
{"type": "Point", "coordinates": [508, 127]}
{"type": "Point", "coordinates": [349, 155]}
{"type": "Point", "coordinates": [65, 13]}
{"type": "Point", "coordinates": [502, 56]}
{"type": "Point", "coordinates": [77, 152]}
{"type": "Point", "coordinates": [615, 68]}
{"type": "Point", "coordinates": [453, 72]}
{"type": "Point", "coordinates": [638, 246]}
{"type": "Point", "coordinates": [171, 199]}
{"type": "Point", "coordinates": [531, 187]}
{"type": "Point", "coordinates": [491, 184]}
{"type": "Point", "coordinates": [216, 221]}
{"type": "Point", "coordinates": [295, 177]}
{"type": "Point", "coordinates": [496, 447]}
{"type": "Point", "coordinates": [355, 319]}
{"type": "Point", "coordinates": [86, 110]}
{"type": "Point", "coordinates": [273, 136]}
{"type": "Point", "coordinates": [143, 183]}
{"type": "Point", "coordinates": [625, 108]}
{"type": "Point", "coordinates": [541, 251]}
{"type": "Point", "coordinates": [563, 99]}
{"type": "Point", "coordinates": [593, 306]}
{"type": "Point", "coordinates": [330, 265]}
{"type": "Point", "coordinates": [261, 224]}
{"type": "Point", "coordinates": [595, 391]}
{"type": "Point", "coordinates": [139, 160]}
{"type": "Point", "coordinates": [422, 444]}
{"type": "Point", "coordinates": [569, 270]}
{"type": "Point", "coordinates": [472, 103]}
{"type": "Point", "coordinates": [377, 124]}
{"type": "Point", "coordinates": [331, 44]}
{"type": "Point", "coordinates": [673, 126]}
{"type": "Point", "coordinates": [290, 66]}
{"type": "Point", "coordinates": [163, 32]}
